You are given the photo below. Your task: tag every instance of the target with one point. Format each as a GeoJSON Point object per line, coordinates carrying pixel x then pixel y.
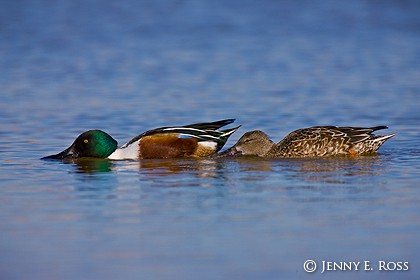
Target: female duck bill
{"type": "Point", "coordinates": [231, 152]}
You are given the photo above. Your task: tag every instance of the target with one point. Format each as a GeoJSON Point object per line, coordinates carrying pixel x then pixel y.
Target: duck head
{"type": "Point", "coordinates": [252, 143]}
{"type": "Point", "coordinates": [92, 143]}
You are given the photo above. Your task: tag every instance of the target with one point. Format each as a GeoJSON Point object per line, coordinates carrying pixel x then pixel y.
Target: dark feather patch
{"type": "Point", "coordinates": [211, 125]}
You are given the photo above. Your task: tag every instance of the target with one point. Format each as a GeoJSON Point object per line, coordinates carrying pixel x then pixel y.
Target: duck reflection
{"type": "Point", "coordinates": [325, 170]}
{"type": "Point", "coordinates": [91, 165]}
{"type": "Point", "coordinates": [254, 163]}
{"type": "Point", "coordinates": [161, 167]}
{"type": "Point", "coordinates": [335, 170]}
{"type": "Point", "coordinates": [167, 167]}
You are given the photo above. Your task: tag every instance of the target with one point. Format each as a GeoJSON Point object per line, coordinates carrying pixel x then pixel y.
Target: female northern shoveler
{"type": "Point", "coordinates": [317, 141]}
{"type": "Point", "coordinates": [194, 140]}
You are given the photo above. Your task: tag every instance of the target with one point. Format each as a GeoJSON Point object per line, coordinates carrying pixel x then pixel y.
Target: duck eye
{"type": "Point", "coordinates": [86, 141]}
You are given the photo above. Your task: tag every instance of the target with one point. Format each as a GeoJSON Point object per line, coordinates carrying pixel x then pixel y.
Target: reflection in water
{"type": "Point", "coordinates": [168, 166]}
{"type": "Point", "coordinates": [308, 179]}
{"type": "Point", "coordinates": [323, 170]}
{"type": "Point", "coordinates": [332, 179]}
{"type": "Point", "coordinates": [254, 163]}
{"type": "Point", "coordinates": [184, 170]}
{"type": "Point", "coordinates": [91, 165]}
{"type": "Point", "coordinates": [336, 170]}
{"type": "Point", "coordinates": [165, 172]}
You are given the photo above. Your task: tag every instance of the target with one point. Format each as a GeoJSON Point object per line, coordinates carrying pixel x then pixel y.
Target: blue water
{"type": "Point", "coordinates": [129, 66]}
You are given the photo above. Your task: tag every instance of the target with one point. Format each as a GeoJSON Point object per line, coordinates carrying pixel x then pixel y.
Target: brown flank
{"type": "Point", "coordinates": [167, 146]}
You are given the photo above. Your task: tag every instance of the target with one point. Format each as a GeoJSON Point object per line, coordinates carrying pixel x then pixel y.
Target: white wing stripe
{"type": "Point", "coordinates": [183, 128]}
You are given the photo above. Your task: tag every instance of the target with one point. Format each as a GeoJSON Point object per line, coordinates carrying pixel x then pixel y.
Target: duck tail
{"type": "Point", "coordinates": [376, 142]}
{"type": "Point", "coordinates": [211, 125]}
{"type": "Point", "coordinates": [375, 128]}
{"type": "Point", "coordinates": [383, 138]}
{"type": "Point", "coordinates": [222, 139]}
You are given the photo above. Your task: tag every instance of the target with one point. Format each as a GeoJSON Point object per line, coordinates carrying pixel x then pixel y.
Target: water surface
{"type": "Point", "coordinates": [129, 66]}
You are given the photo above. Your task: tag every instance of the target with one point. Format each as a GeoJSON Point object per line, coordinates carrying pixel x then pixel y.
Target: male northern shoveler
{"type": "Point", "coordinates": [194, 140]}
{"type": "Point", "coordinates": [317, 141]}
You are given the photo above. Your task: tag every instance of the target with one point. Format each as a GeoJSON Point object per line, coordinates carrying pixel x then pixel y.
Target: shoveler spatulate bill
{"type": "Point", "coordinates": [194, 140]}
{"type": "Point", "coordinates": [317, 141]}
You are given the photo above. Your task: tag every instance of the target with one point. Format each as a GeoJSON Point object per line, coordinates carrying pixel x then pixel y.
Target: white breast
{"type": "Point", "coordinates": [126, 152]}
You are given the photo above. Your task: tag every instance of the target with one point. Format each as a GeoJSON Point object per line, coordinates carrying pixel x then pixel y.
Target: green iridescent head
{"type": "Point", "coordinates": [92, 143]}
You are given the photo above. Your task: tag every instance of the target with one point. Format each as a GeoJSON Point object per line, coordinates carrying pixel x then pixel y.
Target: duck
{"type": "Point", "coordinates": [188, 141]}
{"type": "Point", "coordinates": [317, 141]}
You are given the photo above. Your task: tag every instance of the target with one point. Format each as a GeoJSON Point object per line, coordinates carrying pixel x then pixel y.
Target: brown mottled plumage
{"type": "Point", "coordinates": [317, 141]}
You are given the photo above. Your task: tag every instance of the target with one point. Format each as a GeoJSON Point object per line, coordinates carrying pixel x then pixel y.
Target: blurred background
{"type": "Point", "coordinates": [132, 65]}
{"type": "Point", "coordinates": [274, 65]}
